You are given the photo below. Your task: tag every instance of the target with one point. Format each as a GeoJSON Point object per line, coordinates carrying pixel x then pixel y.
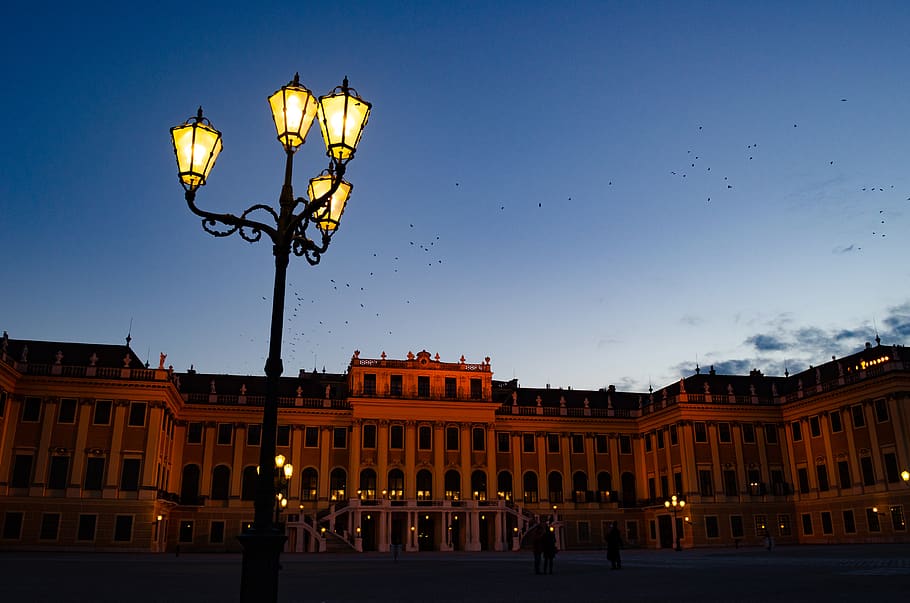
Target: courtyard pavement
{"type": "Point", "coordinates": [856, 573]}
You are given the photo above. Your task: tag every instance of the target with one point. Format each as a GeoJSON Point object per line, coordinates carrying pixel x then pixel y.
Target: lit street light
{"type": "Point", "coordinates": [675, 505]}
{"type": "Point", "coordinates": [342, 116]}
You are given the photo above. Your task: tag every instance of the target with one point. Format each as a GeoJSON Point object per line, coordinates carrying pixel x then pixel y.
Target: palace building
{"type": "Point", "coordinates": [100, 451]}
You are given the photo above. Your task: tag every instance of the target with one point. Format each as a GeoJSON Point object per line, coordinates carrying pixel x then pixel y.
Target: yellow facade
{"type": "Point", "coordinates": [97, 451]}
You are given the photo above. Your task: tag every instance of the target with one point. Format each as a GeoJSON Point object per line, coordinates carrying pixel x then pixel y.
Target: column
{"type": "Point", "coordinates": [148, 489]}
{"type": "Point", "coordinates": [356, 445]}
{"type": "Point", "coordinates": [715, 458]}
{"type": "Point", "coordinates": [208, 459]}
{"type": "Point", "coordinates": [590, 466]}
{"type": "Point", "coordinates": [297, 436]}
{"type": "Point", "coordinates": [895, 411]}
{"type": "Point", "coordinates": [48, 418]}
{"type": "Point", "coordinates": [439, 465]}
{"type": "Point", "coordinates": [742, 478]}
{"type": "Point", "coordinates": [7, 437]}
{"type": "Point", "coordinates": [686, 435]}
{"type": "Point", "coordinates": [410, 461]}
{"type": "Point", "coordinates": [83, 420]}
{"type": "Point", "coordinates": [118, 424]}
{"type": "Point", "coordinates": [566, 449]}
{"type": "Point", "coordinates": [473, 525]}
{"type": "Point", "coordinates": [855, 473]}
{"type": "Point", "coordinates": [517, 481]}
{"type": "Point", "coordinates": [237, 462]}
{"type": "Point", "coordinates": [465, 429]}
{"type": "Point", "coordinates": [324, 471]}
{"type": "Point", "coordinates": [872, 426]}
{"type": "Point", "coordinates": [492, 477]}
{"type": "Point", "coordinates": [616, 475]}
{"type": "Point", "coordinates": [543, 486]}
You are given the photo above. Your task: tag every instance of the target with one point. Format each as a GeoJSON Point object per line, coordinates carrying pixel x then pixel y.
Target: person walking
{"type": "Point", "coordinates": [549, 549]}
{"type": "Point", "coordinates": [537, 546]}
{"type": "Point", "coordinates": [614, 543]}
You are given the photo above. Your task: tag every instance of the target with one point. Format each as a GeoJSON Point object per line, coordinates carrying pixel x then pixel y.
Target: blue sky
{"type": "Point", "coordinates": [589, 194]}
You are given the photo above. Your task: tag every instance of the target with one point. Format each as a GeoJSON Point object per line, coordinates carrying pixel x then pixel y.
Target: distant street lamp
{"type": "Point", "coordinates": [283, 473]}
{"type": "Point", "coordinates": [675, 505]}
{"type": "Point", "coordinates": [905, 475]}
{"type": "Point", "coordinates": [342, 116]}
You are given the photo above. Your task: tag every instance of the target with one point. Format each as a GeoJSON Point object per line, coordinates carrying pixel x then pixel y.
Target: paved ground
{"type": "Point", "coordinates": [873, 573]}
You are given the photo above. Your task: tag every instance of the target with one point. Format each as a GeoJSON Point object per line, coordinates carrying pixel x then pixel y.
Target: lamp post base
{"type": "Point", "coordinates": [259, 575]}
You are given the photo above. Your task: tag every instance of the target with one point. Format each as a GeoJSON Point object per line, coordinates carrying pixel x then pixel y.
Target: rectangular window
{"type": "Point", "coordinates": [815, 426]}
{"type": "Point", "coordinates": [369, 435]}
{"type": "Point", "coordinates": [369, 384]}
{"type": "Point", "coordinates": [802, 477]}
{"type": "Point", "coordinates": [849, 522]}
{"type": "Point", "coordinates": [778, 487]}
{"type": "Point", "coordinates": [253, 434]}
{"type": "Point", "coordinates": [129, 475]}
{"type": "Point", "coordinates": [423, 387]}
{"type": "Point", "coordinates": [748, 433]}
{"type": "Point", "coordinates": [12, 525]}
{"type": "Point", "coordinates": [868, 470]}
{"type": "Point", "coordinates": [502, 441]}
{"type": "Point", "coordinates": [283, 435]}
{"type": "Point", "coordinates": [424, 437]}
{"type": "Point", "coordinates": [730, 488]}
{"type": "Point", "coordinates": [225, 434]}
{"type": "Point", "coordinates": [584, 531]}
{"type": "Point", "coordinates": [761, 524]}
{"type": "Point", "coordinates": [674, 436]}
{"type": "Point", "coordinates": [843, 474]}
{"type": "Point", "coordinates": [102, 414]}
{"type": "Point", "coordinates": [632, 531]}
{"type": "Point", "coordinates": [311, 437]}
{"type": "Point", "coordinates": [3, 396]}
{"type": "Point", "coordinates": [451, 387]}
{"type": "Point", "coordinates": [648, 445]}
{"type": "Point", "coordinates": [881, 410]}
{"type": "Point", "coordinates": [340, 437]}
{"type": "Point", "coordinates": [892, 474]}
{"type": "Point", "coordinates": [712, 529]}
{"type": "Point", "coordinates": [797, 430]}
{"type": "Point", "coordinates": [123, 528]}
{"type": "Point", "coordinates": [625, 444]}
{"type": "Point", "coordinates": [827, 525]}
{"type": "Point", "coordinates": [872, 520]}
{"type": "Point", "coordinates": [86, 528]}
{"type": "Point", "coordinates": [67, 411]}
{"type": "Point", "coordinates": [835, 421]}
{"type": "Point", "coordinates": [652, 488]}
{"type": "Point", "coordinates": [677, 481]}
{"type": "Point", "coordinates": [723, 432]}
{"type": "Point", "coordinates": [783, 525]}
{"type": "Point", "coordinates": [186, 532]}
{"type": "Point", "coordinates": [94, 473]}
{"type": "Point", "coordinates": [664, 486]}
{"type": "Point", "coordinates": [396, 437]}
{"type": "Point", "coordinates": [770, 433]}
{"type": "Point", "coordinates": [478, 439]}
{"type": "Point", "coordinates": [701, 431]}
{"type": "Point", "coordinates": [451, 438]}
{"type": "Point", "coordinates": [50, 524]}
{"type": "Point", "coordinates": [578, 443]}
{"type": "Point", "coordinates": [601, 446]}
{"type": "Point", "coordinates": [216, 532]}
{"type": "Point", "coordinates": [476, 389]}
{"type": "Point", "coordinates": [705, 482]}
{"type": "Point", "coordinates": [897, 518]}
{"type": "Point", "coordinates": [856, 412]}
{"type": "Point", "coordinates": [194, 433]}
{"type": "Point", "coordinates": [807, 524]}
{"type": "Point", "coordinates": [58, 472]}
{"type": "Point", "coordinates": [660, 439]}
{"type": "Point", "coordinates": [137, 414]}
{"type": "Point", "coordinates": [31, 410]}
{"type": "Point", "coordinates": [21, 475]}
{"type": "Point", "coordinates": [527, 442]}
{"type": "Point", "coordinates": [395, 387]}
{"type": "Point", "coordinates": [821, 472]}
{"type": "Point", "coordinates": [736, 526]}
{"type": "Point", "coordinates": [553, 443]}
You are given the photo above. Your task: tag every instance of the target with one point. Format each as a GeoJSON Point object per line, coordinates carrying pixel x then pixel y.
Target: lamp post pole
{"type": "Point", "coordinates": [675, 505]}
{"type": "Point", "coordinates": [342, 116]}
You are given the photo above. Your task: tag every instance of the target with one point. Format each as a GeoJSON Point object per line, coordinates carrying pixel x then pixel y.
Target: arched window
{"type": "Point", "coordinates": [367, 485]}
{"type": "Point", "coordinates": [221, 482]}
{"type": "Point", "coordinates": [424, 485]}
{"type": "Point", "coordinates": [189, 485]}
{"type": "Point", "coordinates": [309, 484]}
{"type": "Point", "coordinates": [479, 485]}
{"type": "Point", "coordinates": [453, 485]}
{"type": "Point", "coordinates": [580, 486]}
{"type": "Point", "coordinates": [396, 484]}
{"type": "Point", "coordinates": [248, 483]}
{"type": "Point", "coordinates": [337, 484]}
{"type": "Point", "coordinates": [628, 489]}
{"type": "Point", "coordinates": [530, 487]}
{"type": "Point", "coordinates": [604, 487]}
{"type": "Point", "coordinates": [504, 485]}
{"type": "Point", "coordinates": [554, 486]}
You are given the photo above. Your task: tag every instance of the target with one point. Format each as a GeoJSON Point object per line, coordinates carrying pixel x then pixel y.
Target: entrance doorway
{"type": "Point", "coordinates": [426, 533]}
{"type": "Point", "coordinates": [665, 529]}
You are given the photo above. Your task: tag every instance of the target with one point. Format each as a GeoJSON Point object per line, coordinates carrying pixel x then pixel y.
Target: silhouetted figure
{"type": "Point", "coordinates": [614, 543]}
{"type": "Point", "coordinates": [549, 549]}
{"type": "Point", "coordinates": [537, 546]}
{"type": "Point", "coordinates": [396, 547]}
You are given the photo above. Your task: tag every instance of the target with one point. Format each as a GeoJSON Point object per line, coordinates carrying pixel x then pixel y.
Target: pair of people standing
{"type": "Point", "coordinates": [544, 546]}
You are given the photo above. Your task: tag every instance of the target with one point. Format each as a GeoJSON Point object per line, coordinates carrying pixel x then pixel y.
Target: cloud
{"type": "Point", "coordinates": [841, 249]}
{"type": "Point", "coordinates": [692, 320]}
{"type": "Point", "coordinates": [766, 343]}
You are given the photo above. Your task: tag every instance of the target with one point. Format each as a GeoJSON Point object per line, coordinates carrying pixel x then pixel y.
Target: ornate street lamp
{"type": "Point", "coordinates": [342, 116]}
{"type": "Point", "coordinates": [676, 505]}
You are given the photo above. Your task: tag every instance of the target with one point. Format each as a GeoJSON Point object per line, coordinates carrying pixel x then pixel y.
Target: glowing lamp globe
{"type": "Point", "coordinates": [342, 117]}
{"type": "Point", "coordinates": [293, 110]}
{"type": "Point", "coordinates": [328, 216]}
{"type": "Point", "coordinates": [196, 145]}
